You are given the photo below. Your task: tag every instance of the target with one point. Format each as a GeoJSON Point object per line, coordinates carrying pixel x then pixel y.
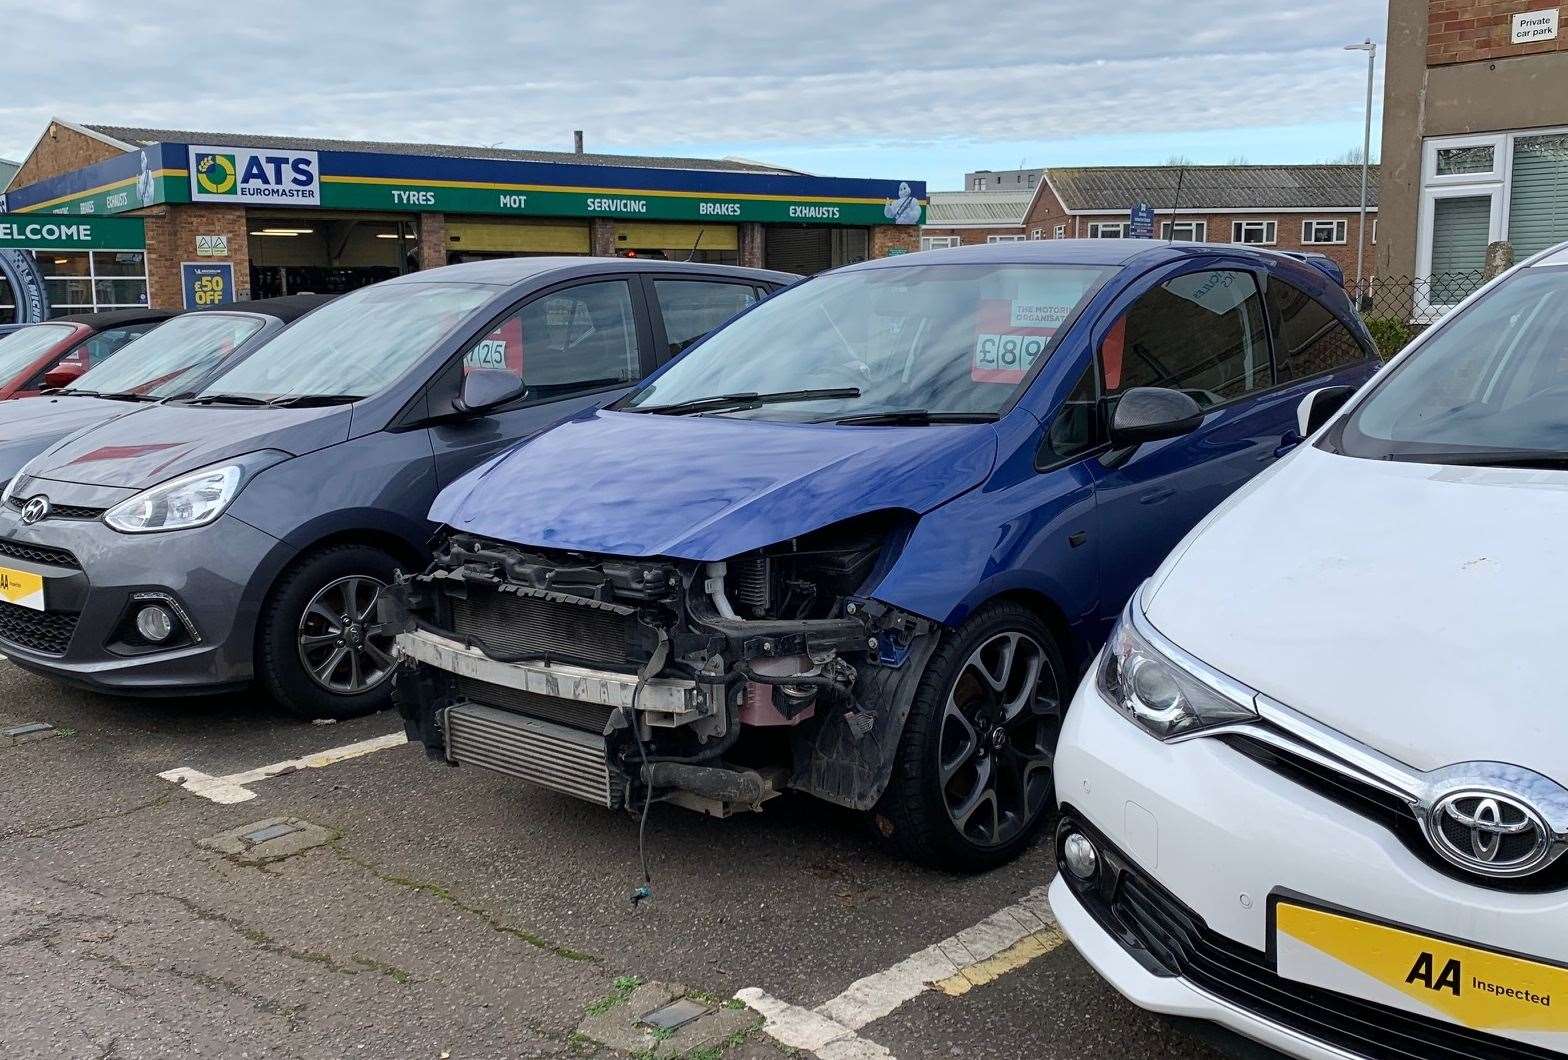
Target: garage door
{"type": "Point", "coordinates": [517, 237]}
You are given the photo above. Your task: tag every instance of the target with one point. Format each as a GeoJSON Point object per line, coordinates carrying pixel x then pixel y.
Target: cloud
{"type": "Point", "coordinates": [674, 76]}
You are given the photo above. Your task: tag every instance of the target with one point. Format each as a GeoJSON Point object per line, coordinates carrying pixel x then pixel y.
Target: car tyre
{"type": "Point", "coordinates": [321, 652]}
{"type": "Point", "coordinates": [974, 780]}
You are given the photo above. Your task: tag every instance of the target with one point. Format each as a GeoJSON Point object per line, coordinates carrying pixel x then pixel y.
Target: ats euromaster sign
{"type": "Point", "coordinates": [255, 177]}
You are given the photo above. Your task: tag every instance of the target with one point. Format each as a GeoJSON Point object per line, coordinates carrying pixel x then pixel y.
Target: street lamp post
{"type": "Point", "coordinates": [1366, 153]}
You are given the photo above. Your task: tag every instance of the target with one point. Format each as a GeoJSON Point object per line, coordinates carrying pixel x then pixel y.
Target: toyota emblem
{"type": "Point", "coordinates": [35, 511]}
{"type": "Point", "coordinates": [1490, 833]}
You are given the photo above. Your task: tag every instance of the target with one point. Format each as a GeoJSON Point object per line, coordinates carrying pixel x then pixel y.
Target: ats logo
{"type": "Point", "coordinates": [215, 174]}
{"type": "Point", "coordinates": [237, 174]}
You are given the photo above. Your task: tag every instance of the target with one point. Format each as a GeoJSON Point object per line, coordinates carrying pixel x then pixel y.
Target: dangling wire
{"type": "Point", "coordinates": [653, 665]}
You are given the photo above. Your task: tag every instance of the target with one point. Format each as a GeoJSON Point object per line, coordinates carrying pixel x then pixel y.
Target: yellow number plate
{"type": "Point", "coordinates": [21, 588]}
{"type": "Point", "coordinates": [1513, 997]}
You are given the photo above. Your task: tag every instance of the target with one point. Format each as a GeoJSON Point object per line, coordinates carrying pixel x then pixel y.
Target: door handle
{"type": "Point", "coordinates": [1155, 496]}
{"type": "Point", "coordinates": [1287, 442]}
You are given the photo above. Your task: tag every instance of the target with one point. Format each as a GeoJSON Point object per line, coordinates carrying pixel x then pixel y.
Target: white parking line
{"type": "Point", "coordinates": [1005, 940]}
{"type": "Point", "coordinates": [234, 787]}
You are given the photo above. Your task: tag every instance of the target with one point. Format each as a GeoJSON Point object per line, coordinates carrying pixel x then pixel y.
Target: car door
{"type": "Point", "coordinates": [1201, 328]}
{"type": "Point", "coordinates": [687, 308]}
{"type": "Point", "coordinates": [575, 346]}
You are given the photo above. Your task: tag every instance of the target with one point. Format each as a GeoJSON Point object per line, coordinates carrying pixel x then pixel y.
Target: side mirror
{"type": "Point", "coordinates": [63, 374]}
{"type": "Point", "coordinates": [1150, 413]}
{"type": "Point", "coordinates": [1318, 407]}
{"type": "Point", "coordinates": [485, 388]}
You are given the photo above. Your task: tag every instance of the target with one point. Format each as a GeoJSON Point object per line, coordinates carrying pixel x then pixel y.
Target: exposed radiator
{"type": "Point", "coordinates": [530, 627]}
{"type": "Point", "coordinates": [540, 752]}
{"type": "Point", "coordinates": [589, 717]}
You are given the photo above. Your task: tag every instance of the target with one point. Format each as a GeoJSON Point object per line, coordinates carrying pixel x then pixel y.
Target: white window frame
{"type": "Point", "coordinates": [1059, 232]}
{"type": "Point", "coordinates": [1340, 232]}
{"type": "Point", "coordinates": [1004, 239]}
{"type": "Point", "coordinates": [1096, 228]}
{"type": "Point", "coordinates": [939, 242]}
{"type": "Point", "coordinates": [1200, 229]}
{"type": "Point", "coordinates": [1270, 231]}
{"type": "Point", "coordinates": [1036, 233]}
{"type": "Point", "coordinates": [1498, 183]}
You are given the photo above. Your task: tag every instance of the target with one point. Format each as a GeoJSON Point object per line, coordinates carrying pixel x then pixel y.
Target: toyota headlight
{"type": "Point", "coordinates": [179, 504]}
{"type": "Point", "coordinates": [1165, 697]}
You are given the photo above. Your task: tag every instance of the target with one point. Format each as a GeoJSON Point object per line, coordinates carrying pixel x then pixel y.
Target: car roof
{"type": "Point", "coordinates": [286, 308]}
{"type": "Point", "coordinates": [509, 272]}
{"type": "Point", "coordinates": [116, 318]}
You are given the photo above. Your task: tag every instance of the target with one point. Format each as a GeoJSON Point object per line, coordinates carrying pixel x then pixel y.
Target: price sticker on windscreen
{"type": "Point", "coordinates": [502, 349]}
{"type": "Point", "coordinates": [1012, 334]}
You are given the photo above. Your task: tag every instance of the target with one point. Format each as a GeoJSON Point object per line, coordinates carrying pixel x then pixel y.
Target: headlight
{"type": "Point", "coordinates": [1165, 697]}
{"type": "Point", "coordinates": [179, 504]}
{"type": "Point", "coordinates": [10, 488]}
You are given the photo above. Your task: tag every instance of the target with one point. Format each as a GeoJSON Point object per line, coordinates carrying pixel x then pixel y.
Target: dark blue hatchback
{"type": "Point", "coordinates": [862, 542]}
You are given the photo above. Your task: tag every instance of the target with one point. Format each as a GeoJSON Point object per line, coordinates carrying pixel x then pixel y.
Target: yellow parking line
{"type": "Point", "coordinates": [1011, 959]}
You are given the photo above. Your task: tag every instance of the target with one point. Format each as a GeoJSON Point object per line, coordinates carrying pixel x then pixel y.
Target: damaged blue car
{"type": "Point", "coordinates": [862, 542]}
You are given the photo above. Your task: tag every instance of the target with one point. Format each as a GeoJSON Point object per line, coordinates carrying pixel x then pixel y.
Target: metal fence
{"type": "Point", "coordinates": [1396, 310]}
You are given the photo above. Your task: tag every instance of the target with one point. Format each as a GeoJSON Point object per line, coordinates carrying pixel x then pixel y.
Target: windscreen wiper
{"type": "Point", "coordinates": [126, 395]}
{"type": "Point", "coordinates": [227, 399]}
{"type": "Point", "coordinates": [915, 418]}
{"type": "Point", "coordinates": [1521, 458]}
{"type": "Point", "coordinates": [750, 400]}
{"type": "Point", "coordinates": [71, 392]}
{"type": "Point", "coordinates": [300, 401]}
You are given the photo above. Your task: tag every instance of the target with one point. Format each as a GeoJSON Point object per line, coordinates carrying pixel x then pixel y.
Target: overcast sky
{"type": "Point", "coordinates": [907, 90]}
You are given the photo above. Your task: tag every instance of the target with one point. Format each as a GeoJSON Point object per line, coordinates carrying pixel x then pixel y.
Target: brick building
{"type": "Point", "coordinates": [959, 218]}
{"type": "Point", "coordinates": [1301, 207]}
{"type": "Point", "coordinates": [1475, 138]}
{"type": "Point", "coordinates": [287, 214]}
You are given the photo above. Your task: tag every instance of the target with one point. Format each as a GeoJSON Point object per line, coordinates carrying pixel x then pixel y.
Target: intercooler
{"type": "Point", "coordinates": [540, 752]}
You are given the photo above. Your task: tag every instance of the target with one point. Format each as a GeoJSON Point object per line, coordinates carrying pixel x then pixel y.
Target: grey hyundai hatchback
{"type": "Point", "coordinates": [244, 532]}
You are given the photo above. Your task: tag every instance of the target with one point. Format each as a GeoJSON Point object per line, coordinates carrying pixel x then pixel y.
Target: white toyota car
{"type": "Point", "coordinates": [1315, 788]}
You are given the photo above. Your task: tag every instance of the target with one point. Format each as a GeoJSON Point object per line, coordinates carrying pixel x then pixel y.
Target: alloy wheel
{"type": "Point", "coordinates": [998, 739]}
{"type": "Point", "coordinates": [341, 646]}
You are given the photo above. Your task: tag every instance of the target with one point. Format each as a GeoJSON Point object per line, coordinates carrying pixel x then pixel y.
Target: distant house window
{"type": "Point", "coordinates": [1031, 180]}
{"type": "Point", "coordinates": [1004, 239]}
{"type": "Point", "coordinates": [1374, 231]}
{"type": "Point", "coordinates": [938, 242]}
{"type": "Point", "coordinates": [1185, 231]}
{"type": "Point", "coordinates": [1036, 233]}
{"type": "Point", "coordinates": [1107, 229]}
{"type": "Point", "coordinates": [1254, 233]}
{"type": "Point", "coordinates": [1313, 232]}
{"type": "Point", "coordinates": [1060, 232]}
{"type": "Point", "coordinates": [979, 183]}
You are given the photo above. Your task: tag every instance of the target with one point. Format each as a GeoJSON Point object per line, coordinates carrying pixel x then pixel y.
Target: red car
{"type": "Point", "coordinates": [41, 357]}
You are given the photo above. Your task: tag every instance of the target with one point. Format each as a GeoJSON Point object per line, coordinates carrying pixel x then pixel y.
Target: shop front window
{"type": "Point", "coordinates": [82, 281]}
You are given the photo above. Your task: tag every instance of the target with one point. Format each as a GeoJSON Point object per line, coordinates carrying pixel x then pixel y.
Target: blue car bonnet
{"type": "Point", "coordinates": [707, 488]}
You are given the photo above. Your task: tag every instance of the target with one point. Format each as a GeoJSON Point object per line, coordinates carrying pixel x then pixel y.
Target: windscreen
{"type": "Point", "coordinates": [169, 357]}
{"type": "Point", "coordinates": [937, 338]}
{"type": "Point", "coordinates": [21, 348]}
{"type": "Point", "coordinates": [1491, 383]}
{"type": "Point", "coordinates": [355, 346]}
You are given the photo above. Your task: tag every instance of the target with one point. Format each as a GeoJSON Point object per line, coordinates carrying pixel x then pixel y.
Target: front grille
{"type": "Point", "coordinates": [52, 557]}
{"type": "Point", "coordinates": [61, 511]}
{"type": "Point", "coordinates": [589, 717]}
{"type": "Point", "coordinates": [515, 626]}
{"type": "Point", "coordinates": [46, 632]}
{"type": "Point", "coordinates": [1389, 811]}
{"type": "Point", "coordinates": [539, 752]}
{"type": "Point", "coordinates": [1179, 940]}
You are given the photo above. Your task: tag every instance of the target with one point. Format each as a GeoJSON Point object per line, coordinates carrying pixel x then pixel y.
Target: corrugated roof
{"type": "Point", "coordinates": [138, 137]}
{"type": "Point", "coordinates": [958, 208]}
{"type": "Point", "coordinates": [1218, 188]}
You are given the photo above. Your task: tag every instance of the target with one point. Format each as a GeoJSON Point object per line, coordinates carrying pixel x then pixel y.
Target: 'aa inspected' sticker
{"type": "Point", "coordinates": [1513, 997]}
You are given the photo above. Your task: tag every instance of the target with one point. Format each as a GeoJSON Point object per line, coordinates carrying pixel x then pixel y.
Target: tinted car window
{"type": "Point", "coordinates": [692, 308]}
{"type": "Point", "coordinates": [1308, 339]}
{"type": "Point", "coordinates": [1203, 333]}
{"type": "Point", "coordinates": [1076, 428]}
{"type": "Point", "coordinates": [579, 338]}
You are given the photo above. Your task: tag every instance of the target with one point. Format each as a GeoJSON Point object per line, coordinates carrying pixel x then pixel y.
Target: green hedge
{"type": "Point", "coordinates": [1390, 334]}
